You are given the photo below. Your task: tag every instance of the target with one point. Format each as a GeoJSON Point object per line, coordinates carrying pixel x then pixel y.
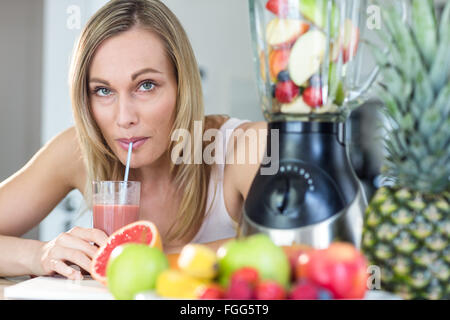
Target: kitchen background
{"type": "Point", "coordinates": [36, 42]}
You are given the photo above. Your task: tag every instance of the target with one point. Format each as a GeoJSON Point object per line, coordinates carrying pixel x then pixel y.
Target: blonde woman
{"type": "Point", "coordinates": [133, 76]}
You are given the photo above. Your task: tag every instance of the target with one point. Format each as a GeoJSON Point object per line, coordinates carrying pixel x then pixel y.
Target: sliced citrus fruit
{"type": "Point", "coordinates": [137, 232]}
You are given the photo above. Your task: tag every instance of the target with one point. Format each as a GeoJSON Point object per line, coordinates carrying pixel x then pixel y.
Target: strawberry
{"type": "Point", "coordinates": [304, 290]}
{"type": "Point", "coordinates": [269, 290]}
{"type": "Point", "coordinates": [313, 97]}
{"type": "Point", "coordinates": [278, 7]}
{"type": "Point", "coordinates": [239, 290]}
{"type": "Point", "coordinates": [286, 91]}
{"type": "Point", "coordinates": [211, 292]}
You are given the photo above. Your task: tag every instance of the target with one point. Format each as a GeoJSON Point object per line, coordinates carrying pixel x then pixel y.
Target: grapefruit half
{"type": "Point", "coordinates": [137, 232]}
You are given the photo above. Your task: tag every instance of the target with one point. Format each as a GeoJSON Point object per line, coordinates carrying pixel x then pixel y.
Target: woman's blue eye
{"type": "Point", "coordinates": [103, 92]}
{"type": "Point", "coordinates": [146, 86]}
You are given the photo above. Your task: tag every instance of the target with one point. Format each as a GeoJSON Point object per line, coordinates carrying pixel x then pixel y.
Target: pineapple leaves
{"type": "Point", "coordinates": [444, 28]}
{"type": "Point", "coordinates": [392, 109]}
{"type": "Point", "coordinates": [395, 84]}
{"type": "Point", "coordinates": [415, 89]}
{"type": "Point", "coordinates": [443, 102]}
{"type": "Point", "coordinates": [440, 70]}
{"type": "Point", "coordinates": [430, 122]}
{"type": "Point", "coordinates": [410, 61]}
{"type": "Point", "coordinates": [423, 93]}
{"type": "Point", "coordinates": [424, 28]}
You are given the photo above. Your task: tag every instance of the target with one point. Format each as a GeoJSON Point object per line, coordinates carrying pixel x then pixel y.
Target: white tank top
{"type": "Point", "coordinates": [218, 224]}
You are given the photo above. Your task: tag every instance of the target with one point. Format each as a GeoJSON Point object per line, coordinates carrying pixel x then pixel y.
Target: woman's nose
{"type": "Point", "coordinates": [127, 115]}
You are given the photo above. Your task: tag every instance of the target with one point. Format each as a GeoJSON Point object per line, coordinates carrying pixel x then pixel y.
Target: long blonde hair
{"type": "Point", "coordinates": [113, 18]}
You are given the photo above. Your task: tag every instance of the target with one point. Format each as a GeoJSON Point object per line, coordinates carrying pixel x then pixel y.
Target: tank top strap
{"type": "Point", "coordinates": [217, 223]}
{"type": "Point", "coordinates": [226, 130]}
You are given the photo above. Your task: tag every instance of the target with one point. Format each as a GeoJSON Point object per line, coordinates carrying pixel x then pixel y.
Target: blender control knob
{"type": "Point", "coordinates": [288, 194]}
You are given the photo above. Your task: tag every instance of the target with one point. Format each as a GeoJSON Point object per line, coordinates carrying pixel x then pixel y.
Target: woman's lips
{"type": "Point", "coordinates": [137, 142]}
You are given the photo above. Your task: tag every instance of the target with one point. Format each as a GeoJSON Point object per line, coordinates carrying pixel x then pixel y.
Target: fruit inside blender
{"type": "Point", "coordinates": [306, 51]}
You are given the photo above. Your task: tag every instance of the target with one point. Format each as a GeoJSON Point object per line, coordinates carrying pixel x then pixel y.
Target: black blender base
{"type": "Point", "coordinates": [314, 197]}
{"type": "Point", "coordinates": [344, 226]}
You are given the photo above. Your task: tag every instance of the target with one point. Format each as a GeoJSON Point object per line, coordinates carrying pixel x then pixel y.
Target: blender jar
{"type": "Point", "coordinates": [308, 57]}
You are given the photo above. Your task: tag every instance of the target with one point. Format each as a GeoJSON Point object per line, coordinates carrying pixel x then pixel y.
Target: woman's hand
{"type": "Point", "coordinates": [77, 246]}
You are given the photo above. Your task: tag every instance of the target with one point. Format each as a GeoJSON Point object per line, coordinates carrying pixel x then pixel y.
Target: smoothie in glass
{"type": "Point", "coordinates": [109, 218]}
{"type": "Point", "coordinates": [115, 204]}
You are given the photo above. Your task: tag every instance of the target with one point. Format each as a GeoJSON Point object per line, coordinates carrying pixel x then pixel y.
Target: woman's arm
{"type": "Point", "coordinates": [17, 255]}
{"type": "Point", "coordinates": [28, 196]}
{"type": "Point", "coordinates": [249, 146]}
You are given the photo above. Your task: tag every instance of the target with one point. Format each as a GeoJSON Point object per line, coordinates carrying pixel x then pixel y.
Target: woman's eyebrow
{"type": "Point", "coordinates": [142, 71]}
{"type": "Point", "coordinates": [133, 76]}
{"type": "Point", "coordinates": [99, 81]}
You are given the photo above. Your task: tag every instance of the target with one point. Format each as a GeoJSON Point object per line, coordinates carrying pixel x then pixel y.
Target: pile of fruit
{"type": "Point", "coordinates": [133, 262]}
{"type": "Point", "coordinates": [297, 45]}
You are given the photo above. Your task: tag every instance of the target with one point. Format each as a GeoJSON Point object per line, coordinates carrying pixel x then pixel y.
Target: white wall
{"type": "Point", "coordinates": [20, 85]}
{"type": "Point", "coordinates": [58, 44]}
{"type": "Point", "coordinates": [220, 35]}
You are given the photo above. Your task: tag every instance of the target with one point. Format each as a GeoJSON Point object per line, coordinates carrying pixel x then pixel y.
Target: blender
{"type": "Point", "coordinates": [308, 61]}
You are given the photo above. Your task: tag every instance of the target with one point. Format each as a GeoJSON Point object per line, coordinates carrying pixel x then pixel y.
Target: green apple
{"type": "Point", "coordinates": [133, 268]}
{"type": "Point", "coordinates": [307, 56]}
{"type": "Point", "coordinates": [257, 251]}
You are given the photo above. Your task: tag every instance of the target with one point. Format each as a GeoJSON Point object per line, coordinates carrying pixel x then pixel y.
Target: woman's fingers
{"type": "Point", "coordinates": [70, 241]}
{"type": "Point", "coordinates": [73, 255]}
{"type": "Point", "coordinates": [91, 235]}
{"type": "Point", "coordinates": [78, 247]}
{"type": "Point", "coordinates": [63, 269]}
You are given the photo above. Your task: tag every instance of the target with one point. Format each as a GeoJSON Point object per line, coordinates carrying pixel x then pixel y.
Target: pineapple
{"type": "Point", "coordinates": [407, 222]}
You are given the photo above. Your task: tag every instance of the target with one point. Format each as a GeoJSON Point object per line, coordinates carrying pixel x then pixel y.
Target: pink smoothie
{"type": "Point", "coordinates": [109, 218]}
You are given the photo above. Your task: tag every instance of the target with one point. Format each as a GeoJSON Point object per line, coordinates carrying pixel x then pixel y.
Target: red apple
{"type": "Point", "coordinates": [278, 61]}
{"type": "Point", "coordinates": [269, 290]}
{"type": "Point", "coordinates": [340, 268]}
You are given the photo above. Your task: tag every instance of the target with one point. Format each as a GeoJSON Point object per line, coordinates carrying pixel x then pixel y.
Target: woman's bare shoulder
{"type": "Point", "coordinates": [249, 145]}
